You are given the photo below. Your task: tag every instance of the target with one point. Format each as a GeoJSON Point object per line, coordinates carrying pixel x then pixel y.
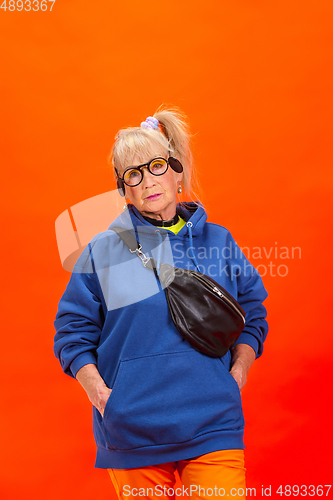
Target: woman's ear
{"type": "Point", "coordinates": [121, 186]}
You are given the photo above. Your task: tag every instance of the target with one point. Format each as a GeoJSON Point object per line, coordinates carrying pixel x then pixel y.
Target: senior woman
{"type": "Point", "coordinates": [160, 405]}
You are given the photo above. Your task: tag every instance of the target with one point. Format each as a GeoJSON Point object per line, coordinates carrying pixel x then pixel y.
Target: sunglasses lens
{"type": "Point", "coordinates": [158, 166]}
{"type": "Point", "coordinates": [132, 177]}
{"type": "Point", "coordinates": [175, 164]}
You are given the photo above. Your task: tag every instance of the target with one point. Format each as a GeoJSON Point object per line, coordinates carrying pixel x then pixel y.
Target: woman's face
{"type": "Point", "coordinates": [155, 196]}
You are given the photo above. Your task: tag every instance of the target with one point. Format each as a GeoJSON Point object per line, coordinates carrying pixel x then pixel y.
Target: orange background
{"type": "Point", "coordinates": [255, 79]}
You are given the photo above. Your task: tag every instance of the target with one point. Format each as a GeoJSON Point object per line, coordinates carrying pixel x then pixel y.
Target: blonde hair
{"type": "Point", "coordinates": [174, 140]}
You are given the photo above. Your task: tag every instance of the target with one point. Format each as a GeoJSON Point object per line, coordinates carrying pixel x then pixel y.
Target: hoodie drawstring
{"type": "Point", "coordinates": [189, 225]}
{"type": "Point", "coordinates": [159, 251]}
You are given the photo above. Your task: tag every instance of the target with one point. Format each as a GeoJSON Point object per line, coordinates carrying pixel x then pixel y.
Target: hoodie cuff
{"type": "Point", "coordinates": [247, 338]}
{"type": "Point", "coordinates": [84, 359]}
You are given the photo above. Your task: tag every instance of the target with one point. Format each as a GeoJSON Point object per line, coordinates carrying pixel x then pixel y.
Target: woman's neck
{"type": "Point", "coordinates": [162, 223]}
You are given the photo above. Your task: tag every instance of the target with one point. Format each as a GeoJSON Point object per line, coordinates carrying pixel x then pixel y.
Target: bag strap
{"type": "Point", "coordinates": [134, 246]}
{"type": "Point", "coordinates": [127, 238]}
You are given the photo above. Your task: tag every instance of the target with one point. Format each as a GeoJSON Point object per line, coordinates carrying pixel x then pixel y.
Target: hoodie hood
{"type": "Point", "coordinates": [190, 212]}
{"type": "Point", "coordinates": [193, 213]}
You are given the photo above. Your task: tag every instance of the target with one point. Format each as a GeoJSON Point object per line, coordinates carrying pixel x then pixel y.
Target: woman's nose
{"type": "Point", "coordinates": [148, 178]}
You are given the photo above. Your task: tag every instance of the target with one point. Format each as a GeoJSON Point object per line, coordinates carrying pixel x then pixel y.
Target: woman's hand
{"type": "Point", "coordinates": [100, 398]}
{"type": "Point", "coordinates": [242, 357]}
{"type": "Point", "coordinates": [95, 387]}
{"type": "Point", "coordinates": [240, 376]}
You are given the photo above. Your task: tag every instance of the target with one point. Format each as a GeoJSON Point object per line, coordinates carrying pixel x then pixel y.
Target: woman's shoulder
{"type": "Point", "coordinates": [215, 228]}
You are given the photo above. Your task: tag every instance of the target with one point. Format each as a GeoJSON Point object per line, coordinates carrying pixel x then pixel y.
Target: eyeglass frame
{"type": "Point", "coordinates": [140, 167]}
{"type": "Point", "coordinates": [172, 162]}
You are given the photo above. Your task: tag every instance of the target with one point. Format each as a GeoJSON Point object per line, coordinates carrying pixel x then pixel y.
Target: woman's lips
{"type": "Point", "coordinates": [153, 196]}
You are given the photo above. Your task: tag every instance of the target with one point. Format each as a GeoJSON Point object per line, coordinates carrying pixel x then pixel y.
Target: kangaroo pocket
{"type": "Point", "coordinates": [170, 398]}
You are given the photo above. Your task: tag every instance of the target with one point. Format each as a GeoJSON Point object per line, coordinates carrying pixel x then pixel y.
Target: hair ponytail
{"type": "Point", "coordinates": [175, 128]}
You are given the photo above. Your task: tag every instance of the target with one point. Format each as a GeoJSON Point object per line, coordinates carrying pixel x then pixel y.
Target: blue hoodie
{"type": "Point", "coordinates": [168, 402]}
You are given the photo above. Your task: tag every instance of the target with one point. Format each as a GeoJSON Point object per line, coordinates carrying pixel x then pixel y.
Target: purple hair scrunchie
{"type": "Point", "coordinates": [150, 122]}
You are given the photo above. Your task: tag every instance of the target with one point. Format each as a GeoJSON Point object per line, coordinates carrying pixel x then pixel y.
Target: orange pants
{"type": "Point", "coordinates": [213, 475]}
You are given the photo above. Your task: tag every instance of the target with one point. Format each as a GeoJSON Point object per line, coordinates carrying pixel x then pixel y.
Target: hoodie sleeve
{"type": "Point", "coordinates": [80, 318]}
{"type": "Point", "coordinates": [251, 294]}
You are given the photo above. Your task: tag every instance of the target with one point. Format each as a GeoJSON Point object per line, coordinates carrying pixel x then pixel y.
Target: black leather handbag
{"type": "Point", "coordinates": [206, 315]}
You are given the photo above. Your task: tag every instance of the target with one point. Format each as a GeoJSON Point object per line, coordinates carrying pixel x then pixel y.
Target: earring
{"type": "Point", "coordinates": [179, 190]}
{"type": "Point", "coordinates": [125, 206]}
